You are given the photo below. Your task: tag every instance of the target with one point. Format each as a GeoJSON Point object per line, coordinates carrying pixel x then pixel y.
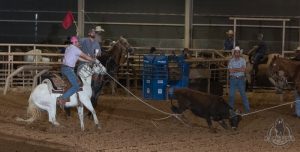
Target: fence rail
{"type": "Point", "coordinates": [13, 58]}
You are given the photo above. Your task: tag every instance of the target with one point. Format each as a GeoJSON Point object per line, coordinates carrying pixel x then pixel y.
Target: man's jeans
{"type": "Point", "coordinates": [71, 76]}
{"type": "Point", "coordinates": [297, 105]}
{"type": "Point", "coordinates": [238, 83]}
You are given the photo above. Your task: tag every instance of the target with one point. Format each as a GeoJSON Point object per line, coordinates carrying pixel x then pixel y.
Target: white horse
{"type": "Point", "coordinates": [43, 98]}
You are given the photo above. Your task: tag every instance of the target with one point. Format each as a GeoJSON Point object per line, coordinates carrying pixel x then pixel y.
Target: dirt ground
{"type": "Point", "coordinates": [128, 126]}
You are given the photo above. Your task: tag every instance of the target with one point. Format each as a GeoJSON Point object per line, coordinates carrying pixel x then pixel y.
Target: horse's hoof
{"type": "Point", "coordinates": [55, 124]}
{"type": "Point", "coordinates": [98, 126]}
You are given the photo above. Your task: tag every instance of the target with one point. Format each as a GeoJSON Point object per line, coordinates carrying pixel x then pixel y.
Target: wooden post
{"type": "Point", "coordinates": [188, 23]}
{"type": "Point", "coordinates": [80, 30]}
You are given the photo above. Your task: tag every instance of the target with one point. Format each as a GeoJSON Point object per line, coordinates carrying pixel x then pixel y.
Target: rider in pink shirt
{"type": "Point", "coordinates": [71, 56]}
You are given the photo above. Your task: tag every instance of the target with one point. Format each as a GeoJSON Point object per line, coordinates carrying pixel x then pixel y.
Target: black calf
{"type": "Point", "coordinates": [207, 106]}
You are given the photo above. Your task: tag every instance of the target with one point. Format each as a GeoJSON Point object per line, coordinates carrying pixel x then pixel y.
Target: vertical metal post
{"type": "Point", "coordinates": [209, 77]}
{"type": "Point", "coordinates": [283, 37]}
{"type": "Point", "coordinates": [299, 34]}
{"type": "Point", "coordinates": [188, 23]}
{"type": "Point", "coordinates": [35, 27]}
{"type": "Point", "coordinates": [234, 33]}
{"type": "Point", "coordinates": [127, 73]}
{"type": "Point", "coordinates": [10, 61]}
{"type": "Point", "coordinates": [80, 30]}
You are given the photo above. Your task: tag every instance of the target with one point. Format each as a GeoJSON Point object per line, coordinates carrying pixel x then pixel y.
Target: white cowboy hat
{"type": "Point", "coordinates": [298, 48]}
{"type": "Point", "coordinates": [99, 29]}
{"type": "Point", "coordinates": [230, 32]}
{"type": "Point", "coordinates": [237, 48]}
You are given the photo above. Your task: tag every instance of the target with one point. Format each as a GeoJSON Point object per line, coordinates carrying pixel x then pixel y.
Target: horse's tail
{"type": "Point", "coordinates": [32, 111]}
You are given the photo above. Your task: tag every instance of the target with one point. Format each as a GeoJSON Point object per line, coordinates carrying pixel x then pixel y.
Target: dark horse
{"type": "Point", "coordinates": [281, 70]}
{"type": "Point", "coordinates": [111, 59]}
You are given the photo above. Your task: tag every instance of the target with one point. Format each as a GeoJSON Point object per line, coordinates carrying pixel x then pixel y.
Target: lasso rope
{"type": "Point", "coordinates": [250, 113]}
{"type": "Point", "coordinates": [169, 115]}
{"type": "Point", "coordinates": [147, 104]}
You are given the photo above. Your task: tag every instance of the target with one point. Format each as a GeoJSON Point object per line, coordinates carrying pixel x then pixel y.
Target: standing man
{"type": "Point", "coordinates": [237, 67]}
{"type": "Point", "coordinates": [228, 43]}
{"type": "Point", "coordinates": [297, 94]}
{"type": "Point", "coordinates": [90, 45]}
{"type": "Point", "coordinates": [297, 104]}
{"type": "Point", "coordinates": [71, 56]}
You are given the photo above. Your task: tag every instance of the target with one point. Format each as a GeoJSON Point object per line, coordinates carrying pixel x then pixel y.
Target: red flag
{"type": "Point", "coordinates": [68, 20]}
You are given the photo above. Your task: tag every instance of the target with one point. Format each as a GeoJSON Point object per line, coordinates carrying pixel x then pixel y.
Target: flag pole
{"type": "Point", "coordinates": [74, 21]}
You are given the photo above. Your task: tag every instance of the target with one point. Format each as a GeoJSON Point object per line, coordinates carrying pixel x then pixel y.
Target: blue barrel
{"type": "Point", "coordinates": [147, 87]}
{"type": "Point", "coordinates": [155, 77]}
{"type": "Point", "coordinates": [159, 89]}
{"type": "Point", "coordinates": [147, 76]}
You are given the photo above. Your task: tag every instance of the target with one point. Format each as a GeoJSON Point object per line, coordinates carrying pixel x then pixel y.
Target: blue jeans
{"type": "Point", "coordinates": [71, 76]}
{"type": "Point", "coordinates": [238, 83]}
{"type": "Point", "coordinates": [297, 105]}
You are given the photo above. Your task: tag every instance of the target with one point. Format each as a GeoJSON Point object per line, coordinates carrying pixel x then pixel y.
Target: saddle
{"type": "Point", "coordinates": [61, 85]}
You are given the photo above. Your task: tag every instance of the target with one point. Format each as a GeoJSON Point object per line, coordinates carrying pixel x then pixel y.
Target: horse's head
{"type": "Point", "coordinates": [86, 70]}
{"type": "Point", "coordinates": [120, 49]}
{"type": "Point", "coordinates": [276, 74]}
{"type": "Point", "coordinates": [274, 63]}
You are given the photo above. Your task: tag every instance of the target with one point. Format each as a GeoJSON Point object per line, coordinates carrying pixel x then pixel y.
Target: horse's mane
{"type": "Point", "coordinates": [114, 52]}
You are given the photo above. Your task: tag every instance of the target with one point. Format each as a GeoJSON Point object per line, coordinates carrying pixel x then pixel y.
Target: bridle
{"type": "Point", "coordinates": [87, 71]}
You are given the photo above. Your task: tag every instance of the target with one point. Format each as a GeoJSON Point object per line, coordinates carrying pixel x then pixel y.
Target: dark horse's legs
{"type": "Point", "coordinates": [97, 85]}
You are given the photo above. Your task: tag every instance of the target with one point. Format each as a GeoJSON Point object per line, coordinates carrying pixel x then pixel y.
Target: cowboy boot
{"type": "Point", "coordinates": [61, 102]}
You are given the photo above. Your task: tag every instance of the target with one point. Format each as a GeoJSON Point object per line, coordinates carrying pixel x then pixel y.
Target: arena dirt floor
{"type": "Point", "coordinates": [128, 126]}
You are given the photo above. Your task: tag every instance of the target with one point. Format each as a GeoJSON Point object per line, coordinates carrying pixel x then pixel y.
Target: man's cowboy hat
{"type": "Point", "coordinates": [298, 48]}
{"type": "Point", "coordinates": [99, 29]}
{"type": "Point", "coordinates": [229, 32]}
{"type": "Point", "coordinates": [237, 48]}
